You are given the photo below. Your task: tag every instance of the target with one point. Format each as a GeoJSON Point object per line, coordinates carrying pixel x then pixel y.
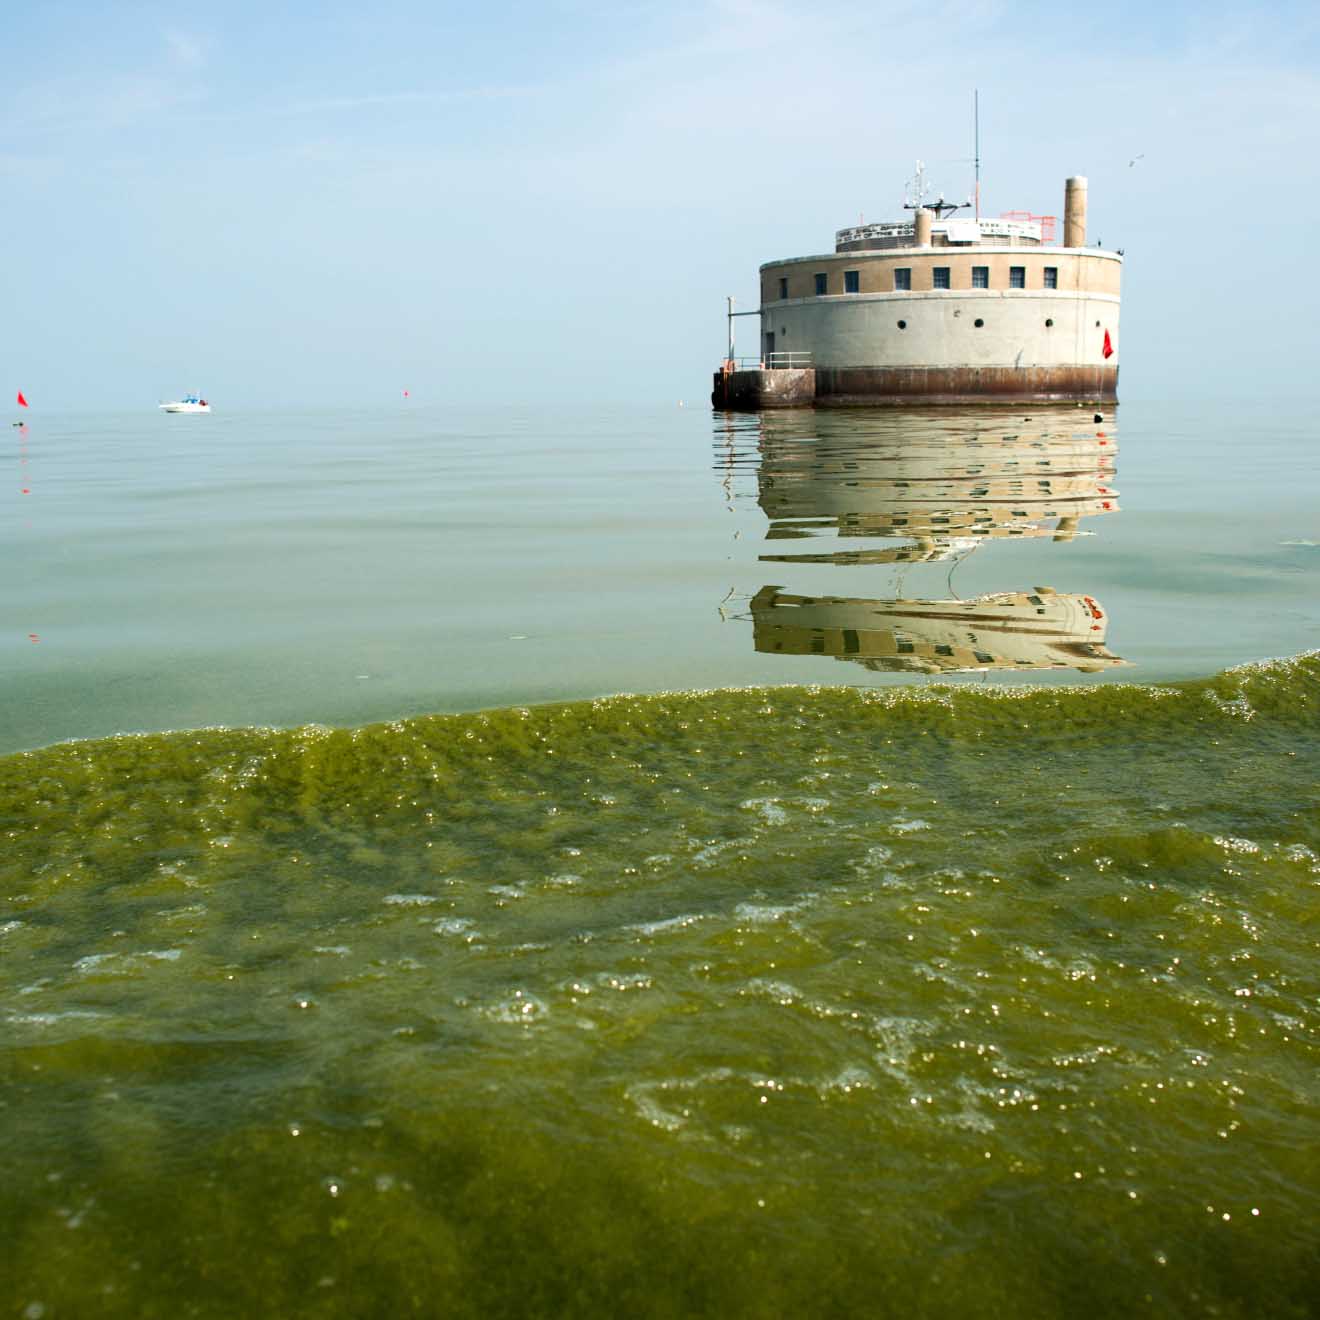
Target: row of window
{"type": "Point", "coordinates": [940, 279]}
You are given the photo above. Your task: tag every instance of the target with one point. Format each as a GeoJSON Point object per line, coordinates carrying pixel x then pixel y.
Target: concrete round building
{"type": "Point", "coordinates": [936, 310]}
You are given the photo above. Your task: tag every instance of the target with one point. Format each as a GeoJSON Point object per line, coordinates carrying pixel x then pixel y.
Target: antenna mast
{"type": "Point", "coordinates": [915, 196]}
{"type": "Point", "coordinates": [976, 131]}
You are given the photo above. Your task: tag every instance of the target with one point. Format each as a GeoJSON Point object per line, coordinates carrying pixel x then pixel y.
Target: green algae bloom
{"type": "Point", "coordinates": [761, 1002]}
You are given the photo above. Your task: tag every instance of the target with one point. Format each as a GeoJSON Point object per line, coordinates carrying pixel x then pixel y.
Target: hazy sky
{"type": "Point", "coordinates": [301, 202]}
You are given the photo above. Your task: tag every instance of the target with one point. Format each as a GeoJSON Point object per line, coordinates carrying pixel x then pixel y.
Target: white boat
{"type": "Point", "coordinates": [190, 403]}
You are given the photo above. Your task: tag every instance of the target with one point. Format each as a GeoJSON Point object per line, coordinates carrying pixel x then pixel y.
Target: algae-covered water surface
{"type": "Point", "coordinates": [767, 1001]}
{"type": "Point", "coordinates": [995, 995]}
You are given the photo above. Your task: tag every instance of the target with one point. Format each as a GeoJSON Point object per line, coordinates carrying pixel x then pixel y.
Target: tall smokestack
{"type": "Point", "coordinates": [1074, 212]}
{"type": "Point", "coordinates": [921, 232]}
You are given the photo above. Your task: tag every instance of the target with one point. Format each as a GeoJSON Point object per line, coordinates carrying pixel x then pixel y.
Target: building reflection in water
{"type": "Point", "coordinates": [927, 488]}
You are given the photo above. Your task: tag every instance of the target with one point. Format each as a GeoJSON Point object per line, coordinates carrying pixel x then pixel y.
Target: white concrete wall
{"type": "Point", "coordinates": [861, 330]}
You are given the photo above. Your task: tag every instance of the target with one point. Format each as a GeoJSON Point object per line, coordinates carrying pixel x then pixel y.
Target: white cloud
{"type": "Point", "coordinates": [75, 106]}
{"type": "Point", "coordinates": [186, 50]}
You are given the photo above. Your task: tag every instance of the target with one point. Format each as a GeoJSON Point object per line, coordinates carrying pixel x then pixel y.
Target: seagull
{"type": "Point", "coordinates": [1134, 160]}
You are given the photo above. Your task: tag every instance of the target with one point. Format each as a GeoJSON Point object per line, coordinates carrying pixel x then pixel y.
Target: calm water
{"type": "Point", "coordinates": [996, 995]}
{"type": "Point", "coordinates": [187, 571]}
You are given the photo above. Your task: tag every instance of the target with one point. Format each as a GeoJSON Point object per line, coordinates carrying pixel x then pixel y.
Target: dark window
{"type": "Point", "coordinates": [1051, 277]}
{"type": "Point", "coordinates": [1017, 277]}
{"type": "Point", "coordinates": [940, 277]}
{"type": "Point", "coordinates": [978, 323]}
{"type": "Point", "coordinates": [1049, 321]}
{"type": "Point", "coordinates": [783, 286]}
{"type": "Point", "coordinates": [980, 277]}
{"type": "Point", "coordinates": [902, 325]}
{"type": "Point", "coordinates": [902, 278]}
{"type": "Point", "coordinates": [852, 281]}
{"type": "Point", "coordinates": [822, 285]}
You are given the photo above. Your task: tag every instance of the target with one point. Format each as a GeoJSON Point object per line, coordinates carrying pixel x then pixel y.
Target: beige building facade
{"type": "Point", "coordinates": [949, 311]}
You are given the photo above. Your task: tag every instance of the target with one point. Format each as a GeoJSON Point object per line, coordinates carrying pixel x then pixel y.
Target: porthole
{"type": "Point", "coordinates": [978, 323]}
{"type": "Point", "coordinates": [902, 325]}
{"type": "Point", "coordinates": [1097, 325]}
{"type": "Point", "coordinates": [1048, 322]}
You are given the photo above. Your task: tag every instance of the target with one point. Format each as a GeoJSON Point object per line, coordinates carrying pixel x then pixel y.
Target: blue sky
{"type": "Point", "coordinates": [331, 202]}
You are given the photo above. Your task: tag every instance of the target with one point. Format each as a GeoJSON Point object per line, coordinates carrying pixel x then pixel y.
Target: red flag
{"type": "Point", "coordinates": [1108, 350]}
{"type": "Point", "coordinates": [22, 402]}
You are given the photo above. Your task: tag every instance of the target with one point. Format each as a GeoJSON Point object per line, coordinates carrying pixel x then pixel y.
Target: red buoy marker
{"type": "Point", "coordinates": [22, 402]}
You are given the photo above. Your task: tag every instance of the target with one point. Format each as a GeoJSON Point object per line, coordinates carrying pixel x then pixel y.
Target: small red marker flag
{"type": "Point", "coordinates": [1108, 350]}
{"type": "Point", "coordinates": [22, 402]}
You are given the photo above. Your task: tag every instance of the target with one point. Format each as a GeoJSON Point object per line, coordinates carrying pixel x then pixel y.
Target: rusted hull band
{"type": "Point", "coordinates": [941, 385]}
{"type": "Point", "coordinates": [878, 387]}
